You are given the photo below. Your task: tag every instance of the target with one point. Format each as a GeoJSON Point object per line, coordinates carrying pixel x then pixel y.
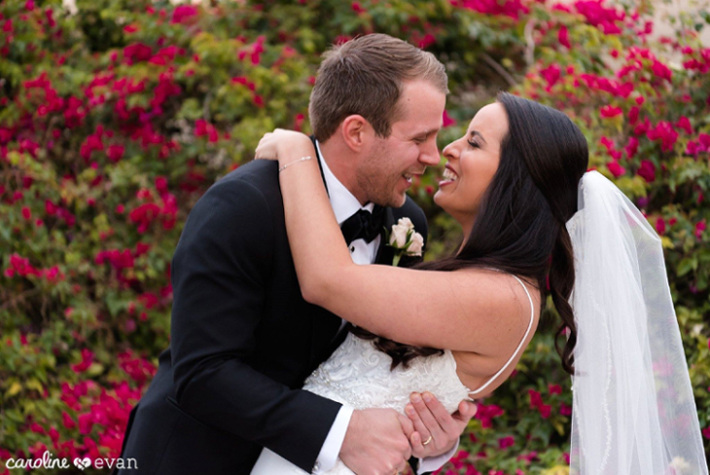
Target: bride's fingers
{"type": "Point", "coordinates": [419, 426]}
{"type": "Point", "coordinates": [425, 412]}
{"type": "Point", "coordinates": [264, 149]}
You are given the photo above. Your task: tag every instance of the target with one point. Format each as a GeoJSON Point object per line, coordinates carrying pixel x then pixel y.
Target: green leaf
{"type": "Point", "coordinates": [686, 265]}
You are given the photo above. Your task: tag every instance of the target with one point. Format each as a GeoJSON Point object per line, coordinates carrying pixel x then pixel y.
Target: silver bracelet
{"type": "Point", "coordinates": [302, 159]}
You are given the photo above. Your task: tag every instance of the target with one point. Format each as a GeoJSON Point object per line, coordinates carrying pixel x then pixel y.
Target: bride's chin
{"type": "Point", "coordinates": [440, 201]}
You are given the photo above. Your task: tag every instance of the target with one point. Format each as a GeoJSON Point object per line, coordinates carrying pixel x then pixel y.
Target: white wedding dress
{"type": "Point", "coordinates": [359, 375]}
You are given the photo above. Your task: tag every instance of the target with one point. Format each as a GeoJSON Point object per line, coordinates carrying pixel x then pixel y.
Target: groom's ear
{"type": "Point", "coordinates": [356, 132]}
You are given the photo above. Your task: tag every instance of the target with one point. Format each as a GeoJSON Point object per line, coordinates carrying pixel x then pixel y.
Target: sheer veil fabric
{"type": "Point", "coordinates": [633, 406]}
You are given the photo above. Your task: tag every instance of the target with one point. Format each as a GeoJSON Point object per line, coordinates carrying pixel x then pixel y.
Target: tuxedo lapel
{"type": "Point", "coordinates": [385, 253]}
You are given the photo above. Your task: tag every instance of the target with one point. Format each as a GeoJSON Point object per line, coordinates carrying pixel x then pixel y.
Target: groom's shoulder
{"type": "Point", "coordinates": [257, 179]}
{"type": "Point", "coordinates": [258, 173]}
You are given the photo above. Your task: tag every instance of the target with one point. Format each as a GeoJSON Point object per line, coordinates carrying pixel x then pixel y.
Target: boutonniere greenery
{"type": "Point", "coordinates": [405, 240]}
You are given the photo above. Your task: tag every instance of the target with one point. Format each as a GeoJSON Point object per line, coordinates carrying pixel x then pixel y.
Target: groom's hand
{"type": "Point", "coordinates": [436, 431]}
{"type": "Point", "coordinates": [377, 442]}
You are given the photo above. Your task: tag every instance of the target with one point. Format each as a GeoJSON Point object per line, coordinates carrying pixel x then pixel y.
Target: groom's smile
{"type": "Point", "coordinates": [385, 174]}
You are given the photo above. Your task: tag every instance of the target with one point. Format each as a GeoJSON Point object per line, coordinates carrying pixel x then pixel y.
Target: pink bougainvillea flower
{"type": "Point", "coordinates": [647, 171]}
{"type": "Point", "coordinates": [563, 37]}
{"type": "Point", "coordinates": [137, 52]}
{"type": "Point", "coordinates": [204, 128]}
{"type": "Point", "coordinates": [704, 141]}
{"type": "Point", "coordinates": [505, 442]}
{"type": "Point", "coordinates": [610, 111]}
{"type": "Point", "coordinates": [510, 8]}
{"type": "Point", "coordinates": [665, 133]}
{"type": "Point", "coordinates": [631, 147]}
{"type": "Point", "coordinates": [422, 41]}
{"type": "Point", "coordinates": [610, 147]}
{"type": "Point", "coordinates": [448, 121]}
{"type": "Point", "coordinates": [633, 115]}
{"type": "Point", "coordinates": [660, 225]}
{"type": "Point", "coordinates": [298, 121]}
{"type": "Point", "coordinates": [161, 184]}
{"type": "Point", "coordinates": [86, 422]}
{"type": "Point", "coordinates": [661, 71]}
{"type": "Point", "coordinates": [244, 81]}
{"type": "Point", "coordinates": [685, 125]}
{"type": "Point", "coordinates": [87, 357]}
{"type": "Point", "coordinates": [551, 74]}
{"type": "Point", "coordinates": [604, 18]}
{"type": "Point", "coordinates": [182, 13]}
{"type": "Point", "coordinates": [615, 169]}
{"type": "Point", "coordinates": [115, 152]}
{"type": "Point", "coordinates": [486, 414]}
{"type": "Point", "coordinates": [357, 8]}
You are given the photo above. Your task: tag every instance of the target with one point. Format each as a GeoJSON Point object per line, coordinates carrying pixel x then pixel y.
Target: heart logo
{"type": "Point", "coordinates": [81, 464]}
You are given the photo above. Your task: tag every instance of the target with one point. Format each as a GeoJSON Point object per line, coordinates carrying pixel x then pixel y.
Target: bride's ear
{"type": "Point", "coordinates": [356, 132]}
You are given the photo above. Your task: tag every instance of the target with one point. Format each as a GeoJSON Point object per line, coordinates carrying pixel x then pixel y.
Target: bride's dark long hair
{"type": "Point", "coordinates": [520, 227]}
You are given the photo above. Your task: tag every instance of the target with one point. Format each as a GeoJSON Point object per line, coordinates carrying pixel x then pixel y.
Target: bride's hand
{"type": "Point", "coordinates": [276, 145]}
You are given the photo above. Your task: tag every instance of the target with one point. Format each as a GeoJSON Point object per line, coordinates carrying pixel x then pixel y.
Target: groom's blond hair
{"type": "Point", "coordinates": [365, 76]}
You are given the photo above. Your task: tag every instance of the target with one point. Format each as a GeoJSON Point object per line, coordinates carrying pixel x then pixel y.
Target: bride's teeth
{"type": "Point", "coordinates": [449, 175]}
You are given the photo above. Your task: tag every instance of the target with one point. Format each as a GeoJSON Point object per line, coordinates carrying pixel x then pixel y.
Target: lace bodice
{"type": "Point", "coordinates": [359, 375]}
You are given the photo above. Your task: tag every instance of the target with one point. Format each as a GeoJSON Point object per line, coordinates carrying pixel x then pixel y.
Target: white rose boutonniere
{"type": "Point", "coordinates": [405, 240]}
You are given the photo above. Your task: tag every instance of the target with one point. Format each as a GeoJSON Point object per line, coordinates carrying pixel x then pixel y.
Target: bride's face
{"type": "Point", "coordinates": [472, 161]}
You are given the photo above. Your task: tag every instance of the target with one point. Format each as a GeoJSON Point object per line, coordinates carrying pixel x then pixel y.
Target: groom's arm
{"type": "Point", "coordinates": [221, 270]}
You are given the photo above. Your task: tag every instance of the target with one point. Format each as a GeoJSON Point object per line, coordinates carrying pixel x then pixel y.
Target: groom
{"type": "Point", "coordinates": [243, 339]}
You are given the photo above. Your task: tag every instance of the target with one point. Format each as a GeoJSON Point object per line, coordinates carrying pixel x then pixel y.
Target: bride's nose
{"type": "Point", "coordinates": [450, 152]}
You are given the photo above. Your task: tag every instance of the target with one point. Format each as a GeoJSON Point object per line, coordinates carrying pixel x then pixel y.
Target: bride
{"type": "Point", "coordinates": [512, 183]}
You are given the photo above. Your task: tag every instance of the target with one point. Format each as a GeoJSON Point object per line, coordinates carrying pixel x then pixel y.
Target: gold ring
{"type": "Point", "coordinates": [428, 440]}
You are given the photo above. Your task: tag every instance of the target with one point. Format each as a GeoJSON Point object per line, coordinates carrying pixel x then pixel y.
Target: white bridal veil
{"type": "Point", "coordinates": [633, 410]}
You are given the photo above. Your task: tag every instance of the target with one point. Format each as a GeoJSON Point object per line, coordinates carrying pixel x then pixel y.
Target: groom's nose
{"type": "Point", "coordinates": [429, 155]}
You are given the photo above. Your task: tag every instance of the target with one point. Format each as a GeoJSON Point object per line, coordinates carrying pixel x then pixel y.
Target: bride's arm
{"type": "Point", "coordinates": [481, 311]}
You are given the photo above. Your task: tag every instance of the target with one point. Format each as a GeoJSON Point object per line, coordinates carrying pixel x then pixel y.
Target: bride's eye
{"type": "Point", "coordinates": [474, 144]}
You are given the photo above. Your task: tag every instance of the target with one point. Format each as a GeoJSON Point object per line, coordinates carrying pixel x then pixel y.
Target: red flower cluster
{"type": "Point", "coordinates": [510, 8]}
{"type": "Point", "coordinates": [253, 51]}
{"type": "Point", "coordinates": [20, 266]}
{"type": "Point", "coordinates": [151, 210]}
{"type": "Point", "coordinates": [87, 357]}
{"type": "Point", "coordinates": [697, 59]}
{"type": "Point", "coordinates": [486, 414]}
{"type": "Point", "coordinates": [183, 13]}
{"type": "Point", "coordinates": [607, 19]}
{"type": "Point", "coordinates": [701, 145]}
{"type": "Point", "coordinates": [536, 403]}
{"type": "Point", "coordinates": [205, 129]}
{"type": "Point", "coordinates": [94, 418]}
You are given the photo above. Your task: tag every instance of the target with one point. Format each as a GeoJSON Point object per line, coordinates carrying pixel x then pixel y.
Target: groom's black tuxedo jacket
{"type": "Point", "coordinates": [243, 340]}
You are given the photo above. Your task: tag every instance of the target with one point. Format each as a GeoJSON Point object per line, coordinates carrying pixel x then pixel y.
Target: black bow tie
{"type": "Point", "coordinates": [364, 225]}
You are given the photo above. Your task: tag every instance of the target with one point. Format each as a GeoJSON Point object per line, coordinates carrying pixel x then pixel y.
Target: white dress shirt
{"type": "Point", "coordinates": [345, 205]}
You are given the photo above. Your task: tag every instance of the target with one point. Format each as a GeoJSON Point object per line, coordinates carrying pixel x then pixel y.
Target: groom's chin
{"type": "Point", "coordinates": [398, 200]}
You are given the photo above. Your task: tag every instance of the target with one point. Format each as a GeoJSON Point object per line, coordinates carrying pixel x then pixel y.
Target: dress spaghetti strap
{"type": "Point", "coordinates": [520, 345]}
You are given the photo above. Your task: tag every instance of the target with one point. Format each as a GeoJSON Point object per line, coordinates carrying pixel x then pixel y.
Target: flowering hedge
{"type": "Point", "coordinates": [114, 120]}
